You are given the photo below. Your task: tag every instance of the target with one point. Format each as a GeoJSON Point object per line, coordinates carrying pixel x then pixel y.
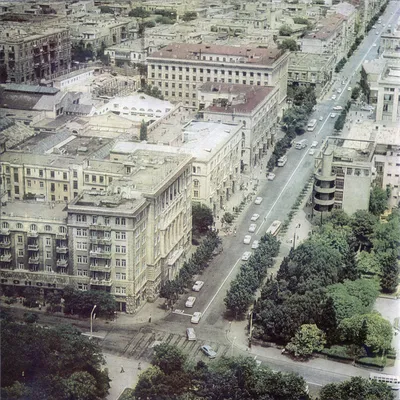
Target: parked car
{"type": "Point", "coordinates": [190, 301]}
{"type": "Point", "coordinates": [338, 108]}
{"type": "Point", "coordinates": [195, 317]}
{"type": "Point", "coordinates": [258, 200]}
{"type": "Point", "coordinates": [333, 97]}
{"type": "Point", "coordinates": [339, 90]}
{"type": "Point", "coordinates": [374, 45]}
{"type": "Point", "coordinates": [208, 351]}
{"type": "Point", "coordinates": [311, 152]}
{"type": "Point", "coordinates": [314, 144]}
{"type": "Point", "coordinates": [255, 217]}
{"type": "Point", "coordinates": [255, 244]}
{"type": "Point", "coordinates": [271, 176]}
{"type": "Point", "coordinates": [349, 89]}
{"type": "Point", "coordinates": [247, 239]}
{"type": "Point", "coordinates": [197, 286]}
{"type": "Point", "coordinates": [252, 228]}
{"type": "Point", "coordinates": [333, 115]}
{"type": "Point", "coordinates": [321, 118]}
{"type": "Point", "coordinates": [190, 334]}
{"type": "Point", "coordinates": [246, 255]}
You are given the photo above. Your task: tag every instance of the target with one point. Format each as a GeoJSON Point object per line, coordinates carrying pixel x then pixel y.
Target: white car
{"type": "Point", "coordinates": [373, 27]}
{"type": "Point", "coordinates": [190, 301]}
{"type": "Point", "coordinates": [255, 244]}
{"type": "Point", "coordinates": [374, 45]}
{"type": "Point", "coordinates": [311, 152]}
{"type": "Point", "coordinates": [376, 33]}
{"type": "Point", "coordinates": [271, 176]}
{"type": "Point", "coordinates": [334, 97]}
{"type": "Point", "coordinates": [197, 286]}
{"type": "Point", "coordinates": [258, 200]}
{"type": "Point", "coordinates": [349, 89]}
{"type": "Point", "coordinates": [338, 108]}
{"type": "Point", "coordinates": [314, 143]}
{"type": "Point", "coordinates": [195, 317]}
{"type": "Point", "coordinates": [246, 255]}
{"type": "Point", "coordinates": [333, 115]}
{"type": "Point", "coordinates": [208, 351]}
{"type": "Point", "coordinates": [247, 239]}
{"type": "Point", "coordinates": [252, 228]}
{"type": "Point", "coordinates": [339, 90]}
{"type": "Point", "coordinates": [321, 118]}
{"type": "Point", "coordinates": [255, 217]}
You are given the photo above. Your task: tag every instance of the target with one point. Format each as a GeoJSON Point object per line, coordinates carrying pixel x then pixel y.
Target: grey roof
{"type": "Point", "coordinates": [15, 87]}
{"type": "Point", "coordinates": [49, 141]}
{"type": "Point", "coordinates": [48, 102]}
{"type": "Point", "coordinates": [79, 108]}
{"type": "Point", "coordinates": [19, 101]}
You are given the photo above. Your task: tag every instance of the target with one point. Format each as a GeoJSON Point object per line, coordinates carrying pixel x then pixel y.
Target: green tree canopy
{"type": "Point", "coordinates": [378, 201]}
{"type": "Point", "coordinates": [143, 131]}
{"type": "Point", "coordinates": [285, 30]}
{"type": "Point", "coordinates": [288, 44]}
{"type": "Point", "coordinates": [168, 358]}
{"type": "Point", "coordinates": [139, 12]}
{"type": "Point", "coordinates": [306, 340]}
{"type": "Point", "coordinates": [202, 218]}
{"type": "Point", "coordinates": [189, 16]}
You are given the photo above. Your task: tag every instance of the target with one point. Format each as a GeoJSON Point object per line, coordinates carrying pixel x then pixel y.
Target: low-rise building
{"type": "Point", "coordinates": [255, 108]}
{"type": "Point", "coordinates": [180, 68]}
{"type": "Point", "coordinates": [313, 70]}
{"type": "Point", "coordinates": [343, 175]}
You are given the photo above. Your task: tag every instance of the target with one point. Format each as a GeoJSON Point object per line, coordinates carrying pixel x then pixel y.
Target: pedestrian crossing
{"type": "Point", "coordinates": [140, 344]}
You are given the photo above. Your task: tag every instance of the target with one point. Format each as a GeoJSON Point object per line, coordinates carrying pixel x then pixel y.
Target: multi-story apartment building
{"type": "Point", "coordinates": [328, 39]}
{"type": "Point", "coordinates": [255, 108]}
{"type": "Point", "coordinates": [383, 78]}
{"type": "Point", "coordinates": [127, 239]}
{"type": "Point", "coordinates": [30, 53]}
{"type": "Point", "coordinates": [179, 69]}
{"type": "Point", "coordinates": [343, 175]}
{"type": "Point", "coordinates": [313, 70]}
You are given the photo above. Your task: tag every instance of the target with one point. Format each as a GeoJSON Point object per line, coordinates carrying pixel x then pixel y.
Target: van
{"type": "Point", "coordinates": [302, 144]}
{"type": "Point", "coordinates": [190, 334]}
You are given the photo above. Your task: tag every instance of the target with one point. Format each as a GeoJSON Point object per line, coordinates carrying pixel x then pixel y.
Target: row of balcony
{"type": "Point", "coordinates": [101, 282]}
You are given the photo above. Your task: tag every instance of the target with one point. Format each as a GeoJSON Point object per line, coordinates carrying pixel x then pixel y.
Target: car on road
{"type": "Point", "coordinates": [190, 301]}
{"type": "Point", "coordinates": [374, 45]}
{"type": "Point", "coordinates": [338, 108]}
{"type": "Point", "coordinates": [247, 239]}
{"type": "Point", "coordinates": [343, 82]}
{"type": "Point", "coordinates": [339, 90]}
{"type": "Point", "coordinates": [311, 152]}
{"type": "Point", "coordinates": [321, 118]}
{"type": "Point", "coordinates": [258, 200]}
{"type": "Point", "coordinates": [373, 27]}
{"type": "Point", "coordinates": [255, 217]}
{"type": "Point", "coordinates": [252, 228]}
{"type": "Point", "coordinates": [271, 176]}
{"type": "Point", "coordinates": [195, 317]}
{"type": "Point", "coordinates": [349, 89]}
{"type": "Point", "coordinates": [208, 351]}
{"type": "Point", "coordinates": [190, 334]}
{"type": "Point", "coordinates": [255, 244]}
{"type": "Point", "coordinates": [376, 33]}
{"type": "Point", "coordinates": [333, 115]}
{"type": "Point", "coordinates": [246, 255]}
{"type": "Point", "coordinates": [334, 97]}
{"type": "Point", "coordinates": [314, 143]}
{"type": "Point", "coordinates": [197, 286]}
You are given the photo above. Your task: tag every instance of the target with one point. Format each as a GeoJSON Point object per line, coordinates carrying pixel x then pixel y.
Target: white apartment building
{"type": "Point", "coordinates": [180, 68]}
{"type": "Point", "coordinates": [255, 108]}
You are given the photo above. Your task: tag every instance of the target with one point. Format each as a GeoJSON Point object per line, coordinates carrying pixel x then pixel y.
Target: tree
{"type": "Point", "coordinates": [357, 388]}
{"type": "Point", "coordinates": [168, 358]}
{"type": "Point", "coordinates": [339, 123]}
{"type": "Point", "coordinates": [285, 30]}
{"type": "Point", "coordinates": [153, 92]}
{"type": "Point", "coordinates": [307, 340]}
{"type": "Point", "coordinates": [363, 226]}
{"type": "Point", "coordinates": [30, 318]}
{"type": "Point", "coordinates": [143, 131]}
{"type": "Point", "coordinates": [31, 296]}
{"type": "Point", "coordinates": [106, 10]}
{"type": "Point", "coordinates": [389, 271]}
{"type": "Point", "coordinates": [368, 264]}
{"type": "Point", "coordinates": [288, 44]}
{"type": "Point", "coordinates": [228, 218]}
{"type": "Point", "coordinates": [355, 93]}
{"type": "Point", "coordinates": [377, 201]}
{"type": "Point", "coordinates": [139, 12]}
{"type": "Point", "coordinates": [202, 218]}
{"type": "Point", "coordinates": [238, 299]}
{"type": "Point", "coordinates": [189, 16]}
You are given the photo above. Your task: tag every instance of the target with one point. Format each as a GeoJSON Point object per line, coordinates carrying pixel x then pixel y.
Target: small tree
{"type": "Point", "coordinates": [228, 217]}
{"type": "Point", "coordinates": [139, 12]}
{"type": "Point", "coordinates": [355, 93]}
{"type": "Point", "coordinates": [288, 44]}
{"type": "Point", "coordinates": [285, 30]}
{"type": "Point", "coordinates": [143, 131]}
{"type": "Point", "coordinates": [306, 340]}
{"type": "Point", "coordinates": [189, 16]}
{"type": "Point", "coordinates": [202, 217]}
{"type": "Point", "coordinates": [377, 201]}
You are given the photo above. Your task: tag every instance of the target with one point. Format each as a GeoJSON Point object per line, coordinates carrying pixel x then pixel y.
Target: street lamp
{"type": "Point", "coordinates": [91, 320]}
{"type": "Point", "coordinates": [233, 342]}
{"type": "Point", "coordinates": [294, 236]}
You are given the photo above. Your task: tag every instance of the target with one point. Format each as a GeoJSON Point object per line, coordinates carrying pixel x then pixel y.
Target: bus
{"type": "Point", "coordinates": [274, 228]}
{"type": "Point", "coordinates": [282, 161]}
{"type": "Point", "coordinates": [311, 125]}
{"type": "Point", "coordinates": [392, 380]}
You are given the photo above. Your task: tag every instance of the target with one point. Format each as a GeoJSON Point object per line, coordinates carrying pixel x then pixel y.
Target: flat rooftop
{"type": "Point", "coordinates": [36, 210]}
{"type": "Point", "coordinates": [236, 54]}
{"type": "Point", "coordinates": [351, 151]}
{"type": "Point", "coordinates": [387, 133]}
{"type": "Point", "coordinates": [327, 27]}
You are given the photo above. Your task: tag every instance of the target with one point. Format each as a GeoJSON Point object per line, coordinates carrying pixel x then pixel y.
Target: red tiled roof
{"type": "Point", "coordinates": [329, 26]}
{"type": "Point", "coordinates": [245, 97]}
{"type": "Point", "coordinates": [194, 51]}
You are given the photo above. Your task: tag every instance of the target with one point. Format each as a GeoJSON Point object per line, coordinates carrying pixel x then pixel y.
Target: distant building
{"type": "Point", "coordinates": [179, 69]}
{"type": "Point", "coordinates": [31, 53]}
{"type": "Point", "coordinates": [343, 175]}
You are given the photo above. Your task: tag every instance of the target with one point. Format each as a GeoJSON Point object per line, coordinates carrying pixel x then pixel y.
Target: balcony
{"type": "Point", "coordinates": [102, 240]}
{"type": "Point", "coordinates": [5, 257]}
{"type": "Point", "coordinates": [5, 245]}
{"type": "Point", "coordinates": [33, 247]}
{"type": "Point", "coordinates": [101, 282]}
{"type": "Point", "coordinates": [100, 254]}
{"type": "Point", "coordinates": [33, 260]}
{"type": "Point", "coordinates": [100, 268]}
{"type": "Point", "coordinates": [99, 227]}
{"type": "Point", "coordinates": [324, 202]}
{"type": "Point", "coordinates": [61, 262]}
{"type": "Point", "coordinates": [32, 234]}
{"type": "Point", "coordinates": [62, 249]}
{"type": "Point", "coordinates": [5, 231]}
{"type": "Point", "coordinates": [327, 178]}
{"type": "Point", "coordinates": [324, 190]}
{"type": "Point", "coordinates": [61, 236]}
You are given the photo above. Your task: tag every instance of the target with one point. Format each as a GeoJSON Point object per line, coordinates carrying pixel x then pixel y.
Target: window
{"type": "Point", "coordinates": [94, 178]}
{"type": "Point", "coordinates": [48, 241]}
{"type": "Point", "coordinates": [120, 221]}
{"type": "Point", "coordinates": [75, 175]}
{"type": "Point", "coordinates": [75, 184]}
{"type": "Point", "coordinates": [20, 226]}
{"type": "Point", "coordinates": [82, 286]}
{"type": "Point", "coordinates": [65, 188]}
{"type": "Point", "coordinates": [80, 218]}
{"type": "Point", "coordinates": [81, 232]}
{"type": "Point", "coordinates": [62, 229]}
{"type": "Point", "coordinates": [21, 266]}
{"type": "Point", "coordinates": [33, 227]}
{"type": "Point", "coordinates": [52, 187]}
{"type": "Point", "coordinates": [52, 174]}
{"type": "Point", "coordinates": [94, 219]}
{"type": "Point", "coordinates": [48, 255]}
{"type": "Point", "coordinates": [195, 193]}
{"type": "Point", "coordinates": [20, 252]}
{"type": "Point", "coordinates": [29, 183]}
{"type": "Point", "coordinates": [19, 239]}
{"type": "Point", "coordinates": [41, 184]}
{"type": "Point", "coordinates": [28, 171]}
{"type": "Point", "coordinates": [47, 228]}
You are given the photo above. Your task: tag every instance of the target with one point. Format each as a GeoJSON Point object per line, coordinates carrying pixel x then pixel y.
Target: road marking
{"type": "Point", "coordinates": [314, 384]}
{"type": "Point", "coordinates": [219, 289]}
